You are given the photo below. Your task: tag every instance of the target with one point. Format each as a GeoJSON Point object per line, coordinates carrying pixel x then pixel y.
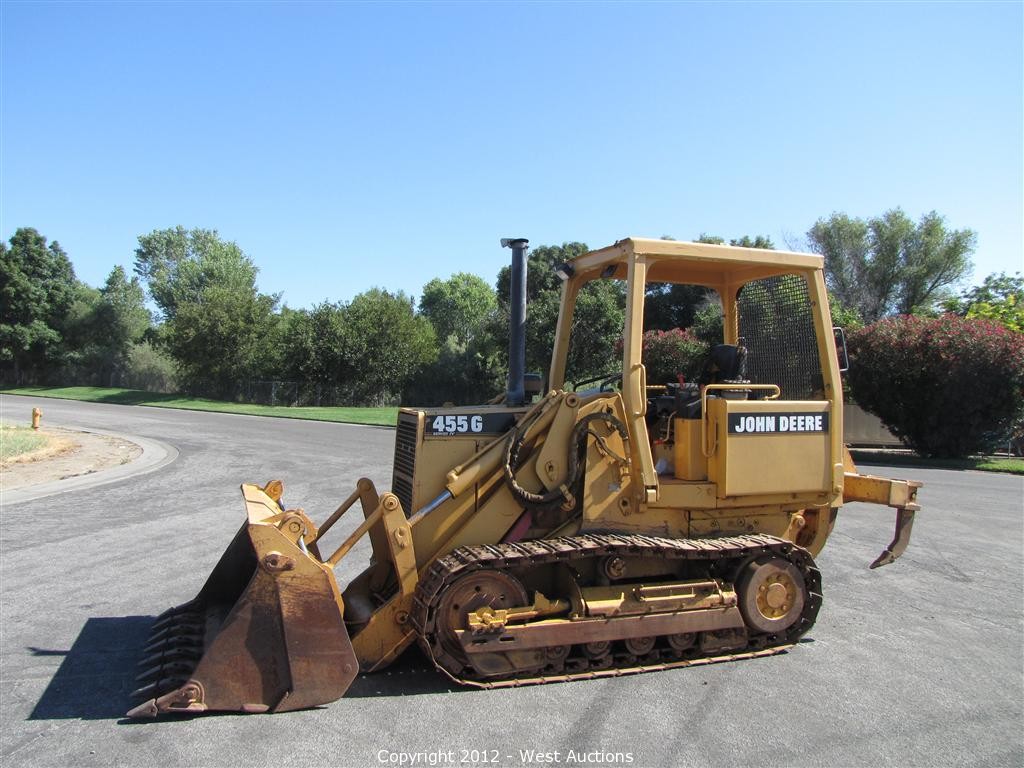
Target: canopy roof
{"type": "Point", "coordinates": [674, 261]}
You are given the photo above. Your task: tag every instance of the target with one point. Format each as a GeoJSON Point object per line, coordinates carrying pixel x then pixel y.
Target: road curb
{"type": "Point", "coordinates": [155, 455]}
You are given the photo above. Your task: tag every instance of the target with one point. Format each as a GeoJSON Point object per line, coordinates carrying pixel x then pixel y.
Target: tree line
{"type": "Point", "coordinates": [211, 329]}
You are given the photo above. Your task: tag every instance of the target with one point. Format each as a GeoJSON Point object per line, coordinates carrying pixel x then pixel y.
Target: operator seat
{"type": "Point", "coordinates": [725, 364]}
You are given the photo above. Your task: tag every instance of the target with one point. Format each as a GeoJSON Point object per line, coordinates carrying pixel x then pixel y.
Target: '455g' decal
{"type": "Point", "coordinates": [446, 424]}
{"type": "Point", "coordinates": [454, 425]}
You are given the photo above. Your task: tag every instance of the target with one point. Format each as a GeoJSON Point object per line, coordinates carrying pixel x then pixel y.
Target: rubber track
{"type": "Point", "coordinates": [568, 549]}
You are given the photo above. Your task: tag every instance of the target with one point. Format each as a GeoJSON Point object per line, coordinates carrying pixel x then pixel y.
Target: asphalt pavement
{"type": "Point", "coordinates": [917, 663]}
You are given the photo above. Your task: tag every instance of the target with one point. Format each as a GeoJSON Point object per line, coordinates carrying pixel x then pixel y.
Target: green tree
{"type": "Point", "coordinates": [890, 265]}
{"type": "Point", "coordinates": [83, 338]}
{"type": "Point", "coordinates": [217, 341]}
{"type": "Point", "coordinates": [597, 321]}
{"type": "Point", "coordinates": [597, 326]}
{"type": "Point", "coordinates": [758, 241]}
{"type": "Point", "coordinates": [707, 239]}
{"type": "Point", "coordinates": [384, 344]}
{"type": "Point", "coordinates": [37, 288]}
{"type": "Point", "coordinates": [123, 309]}
{"type": "Point", "coordinates": [543, 293]}
{"type": "Point", "coordinates": [177, 264]}
{"type": "Point", "coordinates": [540, 271]}
{"type": "Point", "coordinates": [844, 317]}
{"type": "Point", "coordinates": [103, 326]}
{"type": "Point", "coordinates": [458, 307]}
{"type": "Point", "coordinates": [312, 344]}
{"type": "Point", "coordinates": [708, 322]}
{"type": "Point", "coordinates": [217, 324]}
{"type": "Point", "coordinates": [471, 366]}
{"type": "Point", "coordinates": [999, 298]}
{"type": "Point", "coordinates": [463, 374]}
{"type": "Point", "coordinates": [671, 305]}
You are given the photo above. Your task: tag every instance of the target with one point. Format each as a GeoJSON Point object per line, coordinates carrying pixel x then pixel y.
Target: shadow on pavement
{"type": "Point", "coordinates": [410, 675]}
{"type": "Point", "coordinates": [97, 676]}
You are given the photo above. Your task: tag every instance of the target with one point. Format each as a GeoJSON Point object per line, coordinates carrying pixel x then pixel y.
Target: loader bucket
{"type": "Point", "coordinates": [265, 634]}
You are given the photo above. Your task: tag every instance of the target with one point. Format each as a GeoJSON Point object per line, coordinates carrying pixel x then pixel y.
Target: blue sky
{"type": "Point", "coordinates": [347, 145]}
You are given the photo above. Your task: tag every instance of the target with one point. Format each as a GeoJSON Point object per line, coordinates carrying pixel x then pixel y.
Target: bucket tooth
{"type": "Point", "coordinates": [181, 608]}
{"type": "Point", "coordinates": [169, 613]}
{"type": "Point", "coordinates": [146, 709]}
{"type": "Point", "coordinates": [184, 697]}
{"type": "Point", "coordinates": [158, 688]}
{"type": "Point", "coordinates": [188, 617]}
{"type": "Point", "coordinates": [176, 654]}
{"type": "Point", "coordinates": [172, 643]}
{"type": "Point", "coordinates": [175, 622]}
{"type": "Point", "coordinates": [179, 620]}
{"type": "Point", "coordinates": [176, 668]}
{"type": "Point", "coordinates": [151, 675]}
{"type": "Point", "coordinates": [178, 610]}
{"type": "Point", "coordinates": [145, 692]}
{"type": "Point", "coordinates": [182, 637]}
{"type": "Point", "coordinates": [163, 623]}
{"type": "Point", "coordinates": [177, 629]}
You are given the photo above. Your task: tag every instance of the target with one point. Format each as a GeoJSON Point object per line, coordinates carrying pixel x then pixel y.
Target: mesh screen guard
{"type": "Point", "coordinates": [776, 325]}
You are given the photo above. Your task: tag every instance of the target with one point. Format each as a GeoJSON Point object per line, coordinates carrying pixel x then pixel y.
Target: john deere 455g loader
{"type": "Point", "coordinates": [631, 527]}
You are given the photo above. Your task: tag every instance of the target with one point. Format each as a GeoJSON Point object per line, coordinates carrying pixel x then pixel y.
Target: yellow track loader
{"type": "Point", "coordinates": [563, 534]}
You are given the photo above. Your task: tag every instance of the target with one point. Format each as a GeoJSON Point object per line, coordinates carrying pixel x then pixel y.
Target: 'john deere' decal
{"type": "Point", "coordinates": [774, 423]}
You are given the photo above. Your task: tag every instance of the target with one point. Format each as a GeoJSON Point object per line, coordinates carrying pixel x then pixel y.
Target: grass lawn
{"type": "Point", "coordinates": [17, 441]}
{"type": "Point", "coordinates": [1011, 466]}
{"type": "Point", "coordinates": [381, 416]}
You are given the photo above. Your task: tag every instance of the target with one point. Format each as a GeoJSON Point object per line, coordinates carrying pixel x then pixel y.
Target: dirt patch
{"type": "Point", "coordinates": [69, 454]}
{"type": "Point", "coordinates": [54, 444]}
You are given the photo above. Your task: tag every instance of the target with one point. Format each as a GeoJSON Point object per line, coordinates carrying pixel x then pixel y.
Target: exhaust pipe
{"type": "Point", "coordinates": [516, 393]}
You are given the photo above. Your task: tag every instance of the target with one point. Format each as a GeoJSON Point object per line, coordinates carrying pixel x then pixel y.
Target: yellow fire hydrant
{"type": "Point", "coordinates": [37, 415]}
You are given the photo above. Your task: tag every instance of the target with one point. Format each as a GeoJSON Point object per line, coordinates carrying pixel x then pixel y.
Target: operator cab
{"type": "Point", "coordinates": [753, 413]}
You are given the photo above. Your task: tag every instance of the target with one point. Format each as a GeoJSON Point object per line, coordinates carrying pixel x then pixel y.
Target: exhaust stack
{"type": "Point", "coordinates": [516, 393]}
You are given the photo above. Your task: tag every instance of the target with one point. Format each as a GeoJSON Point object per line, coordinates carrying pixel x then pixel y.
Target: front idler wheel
{"type": "Point", "coordinates": [465, 595]}
{"type": "Point", "coordinates": [772, 594]}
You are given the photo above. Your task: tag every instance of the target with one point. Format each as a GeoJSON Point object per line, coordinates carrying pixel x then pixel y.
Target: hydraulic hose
{"type": "Point", "coordinates": [577, 444]}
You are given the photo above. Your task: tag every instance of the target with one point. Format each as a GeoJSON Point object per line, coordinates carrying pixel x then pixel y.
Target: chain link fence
{"type": "Point", "coordinates": [257, 392]}
{"type": "Point", "coordinates": [289, 393]}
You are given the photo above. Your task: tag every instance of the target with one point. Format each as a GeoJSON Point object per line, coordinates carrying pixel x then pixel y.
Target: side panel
{"type": "Point", "coordinates": [770, 446]}
{"type": "Point", "coordinates": [431, 442]}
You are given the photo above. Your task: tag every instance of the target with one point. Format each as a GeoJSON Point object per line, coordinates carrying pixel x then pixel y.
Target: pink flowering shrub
{"type": "Point", "coordinates": [670, 353]}
{"type": "Point", "coordinates": [946, 386]}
